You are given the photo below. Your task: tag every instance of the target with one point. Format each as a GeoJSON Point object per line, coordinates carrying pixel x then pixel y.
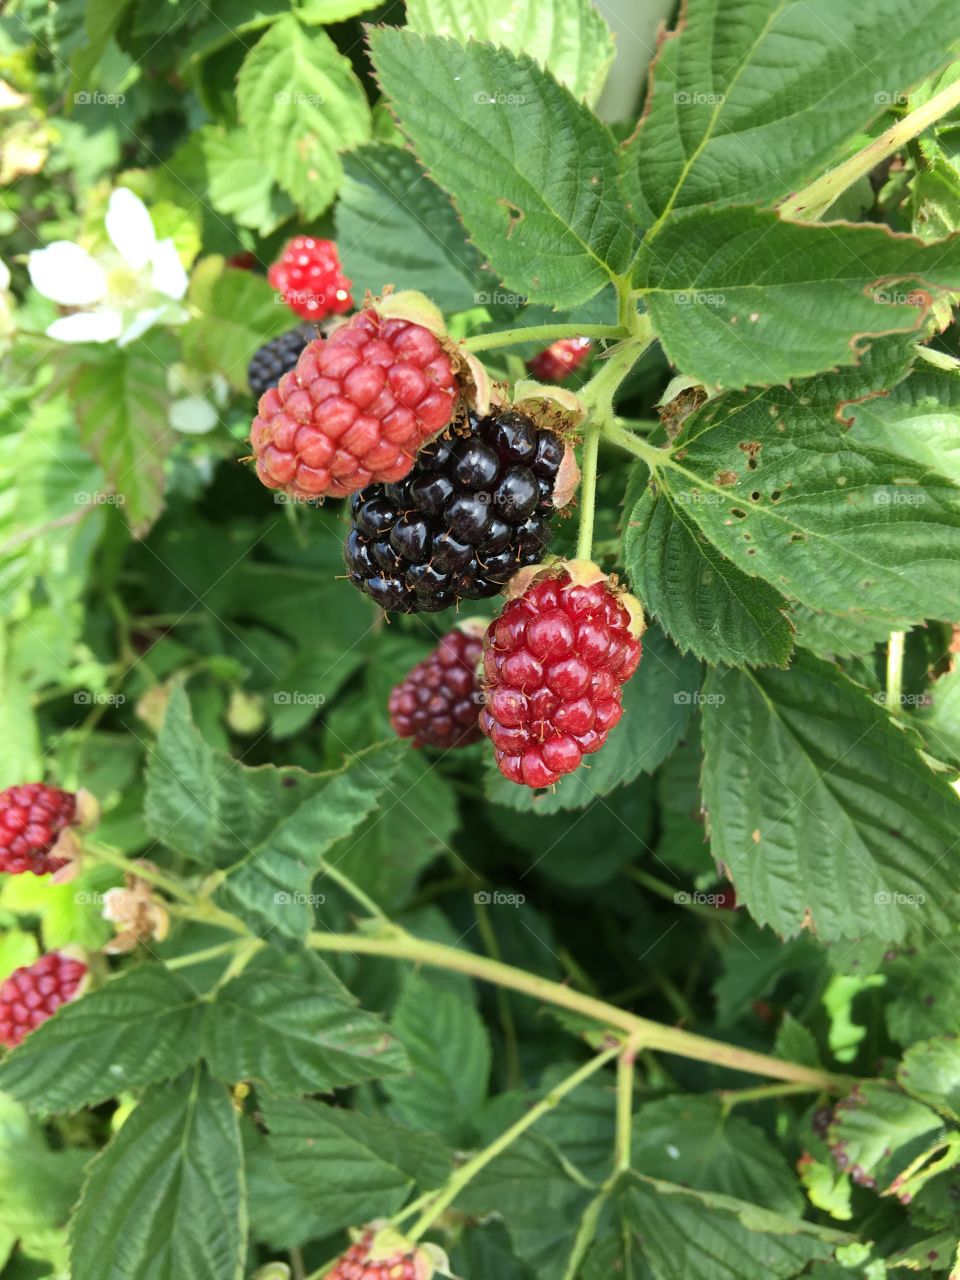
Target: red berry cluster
{"type": "Point", "coordinates": [31, 818]}
{"type": "Point", "coordinates": [33, 993]}
{"type": "Point", "coordinates": [310, 279]}
{"type": "Point", "coordinates": [437, 704]}
{"type": "Point", "coordinates": [356, 1264]}
{"type": "Point", "coordinates": [560, 359]}
{"type": "Point", "coordinates": [355, 410]}
{"type": "Point", "coordinates": [555, 662]}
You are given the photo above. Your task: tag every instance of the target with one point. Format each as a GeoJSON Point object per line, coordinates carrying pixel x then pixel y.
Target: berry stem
{"type": "Point", "coordinates": [650, 1035]}
{"type": "Point", "coordinates": [625, 1073]}
{"type": "Point", "coordinates": [101, 853]}
{"type": "Point", "coordinates": [588, 494]}
{"type": "Point", "coordinates": [473, 1166]}
{"type": "Point", "coordinates": [542, 333]}
{"type": "Point", "coordinates": [647, 453]}
{"type": "Point", "coordinates": [208, 953]}
{"type": "Point", "coordinates": [895, 646]}
{"type": "Point", "coordinates": [354, 890]}
{"type": "Point", "coordinates": [730, 1098]}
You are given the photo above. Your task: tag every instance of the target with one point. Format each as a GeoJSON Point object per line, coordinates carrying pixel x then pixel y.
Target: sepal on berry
{"type": "Point", "coordinates": [553, 407]}
{"type": "Point", "coordinates": [412, 306]}
{"type": "Point", "coordinates": [135, 914]}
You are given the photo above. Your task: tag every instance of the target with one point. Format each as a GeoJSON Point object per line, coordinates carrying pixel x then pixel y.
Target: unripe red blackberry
{"type": "Point", "coordinates": [355, 409]}
{"type": "Point", "coordinates": [310, 279]}
{"type": "Point", "coordinates": [437, 704]}
{"type": "Point", "coordinates": [384, 1254]}
{"type": "Point", "coordinates": [35, 992]}
{"type": "Point", "coordinates": [560, 359]}
{"type": "Point", "coordinates": [32, 816]}
{"type": "Point", "coordinates": [475, 508]}
{"type": "Point", "coordinates": [555, 662]}
{"type": "Point", "coordinates": [277, 357]}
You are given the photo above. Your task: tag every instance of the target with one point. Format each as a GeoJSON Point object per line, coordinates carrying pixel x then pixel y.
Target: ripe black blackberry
{"type": "Point", "coordinates": [277, 357]}
{"type": "Point", "coordinates": [475, 508]}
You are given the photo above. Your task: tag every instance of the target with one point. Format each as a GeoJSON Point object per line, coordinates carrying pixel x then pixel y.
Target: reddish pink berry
{"type": "Point", "coordinates": [310, 279]}
{"type": "Point", "coordinates": [31, 818]}
{"type": "Point", "coordinates": [34, 993]}
{"type": "Point", "coordinates": [403, 1264]}
{"type": "Point", "coordinates": [555, 662]}
{"type": "Point", "coordinates": [560, 359]}
{"type": "Point", "coordinates": [244, 261]}
{"type": "Point", "coordinates": [355, 410]}
{"type": "Point", "coordinates": [438, 702]}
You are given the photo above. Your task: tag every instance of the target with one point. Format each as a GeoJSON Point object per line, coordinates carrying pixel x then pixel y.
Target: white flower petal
{"type": "Point", "coordinates": [87, 326]}
{"type": "Point", "coordinates": [130, 228]}
{"type": "Point", "coordinates": [4, 275]}
{"type": "Point", "coordinates": [193, 415]}
{"type": "Point", "coordinates": [168, 275]}
{"type": "Point", "coordinates": [138, 324]}
{"type": "Point", "coordinates": [67, 274]}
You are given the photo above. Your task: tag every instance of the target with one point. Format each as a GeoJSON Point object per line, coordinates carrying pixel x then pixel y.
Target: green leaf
{"type": "Point", "coordinates": [878, 1131]}
{"type": "Point", "coordinates": [120, 401]}
{"type": "Point", "coordinates": [394, 226]}
{"type": "Point", "coordinates": [238, 185]}
{"type": "Point", "coordinates": [302, 105]}
{"type": "Point", "coordinates": [17, 948]}
{"type": "Point", "coordinates": [930, 1070]}
{"type": "Point", "coordinates": [566, 37]}
{"type": "Point", "coordinates": [656, 707]}
{"type": "Point", "coordinates": [782, 490]}
{"type": "Point", "coordinates": [738, 297]}
{"type": "Point", "coordinates": [140, 1028]}
{"type": "Point", "coordinates": [238, 312]}
{"type": "Point", "coordinates": [450, 1057]}
{"type": "Point", "coordinates": [294, 1036]}
{"type": "Point", "coordinates": [706, 604]}
{"type": "Point", "coordinates": [919, 419]}
{"type": "Point", "coordinates": [533, 173]}
{"type": "Point", "coordinates": [166, 1198]}
{"type": "Point", "coordinates": [940, 721]}
{"type": "Point", "coordinates": [685, 1234]}
{"type": "Point", "coordinates": [821, 809]}
{"type": "Point", "coordinates": [926, 987]}
{"type": "Point", "coordinates": [266, 829]}
{"type": "Point", "coordinates": [692, 1141]}
{"type": "Point", "coordinates": [356, 1167]}
{"type": "Point", "coordinates": [748, 104]}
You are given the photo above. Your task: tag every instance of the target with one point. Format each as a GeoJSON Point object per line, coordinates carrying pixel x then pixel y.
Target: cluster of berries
{"type": "Point", "coordinates": [450, 502]}
{"type": "Point", "coordinates": [35, 836]}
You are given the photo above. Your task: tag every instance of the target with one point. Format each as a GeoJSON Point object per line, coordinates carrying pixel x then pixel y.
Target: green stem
{"type": "Point", "coordinates": [354, 890]}
{"type": "Point", "coordinates": [208, 953]}
{"type": "Point", "coordinates": [542, 333]}
{"type": "Point", "coordinates": [939, 359]}
{"type": "Point", "coordinates": [895, 647]}
{"type": "Point", "coordinates": [588, 494]}
{"type": "Point", "coordinates": [626, 1065]}
{"type": "Point", "coordinates": [647, 453]}
{"type": "Point", "coordinates": [813, 201]}
{"type": "Point", "coordinates": [100, 853]}
{"type": "Point", "coordinates": [473, 1166]}
{"type": "Point", "coordinates": [652, 1035]}
{"type": "Point", "coordinates": [730, 1098]}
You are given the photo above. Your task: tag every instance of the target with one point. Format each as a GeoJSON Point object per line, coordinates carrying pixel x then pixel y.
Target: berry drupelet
{"type": "Point", "coordinates": [560, 359]}
{"type": "Point", "coordinates": [277, 357]}
{"type": "Point", "coordinates": [475, 508]}
{"type": "Point", "coordinates": [555, 662]}
{"type": "Point", "coordinates": [35, 992]}
{"type": "Point", "coordinates": [437, 704]}
{"type": "Point", "coordinates": [310, 279]}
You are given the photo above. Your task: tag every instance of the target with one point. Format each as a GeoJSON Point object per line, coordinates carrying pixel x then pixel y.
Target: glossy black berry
{"type": "Point", "coordinates": [474, 510]}
{"type": "Point", "coordinates": [277, 357]}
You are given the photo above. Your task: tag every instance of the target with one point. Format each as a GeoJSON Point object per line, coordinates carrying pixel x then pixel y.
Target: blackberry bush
{"type": "Point", "coordinates": [475, 508]}
{"type": "Point", "coordinates": [436, 922]}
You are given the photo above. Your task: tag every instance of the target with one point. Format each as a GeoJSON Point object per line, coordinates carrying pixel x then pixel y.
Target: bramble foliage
{"type": "Point", "coordinates": [691, 1013]}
